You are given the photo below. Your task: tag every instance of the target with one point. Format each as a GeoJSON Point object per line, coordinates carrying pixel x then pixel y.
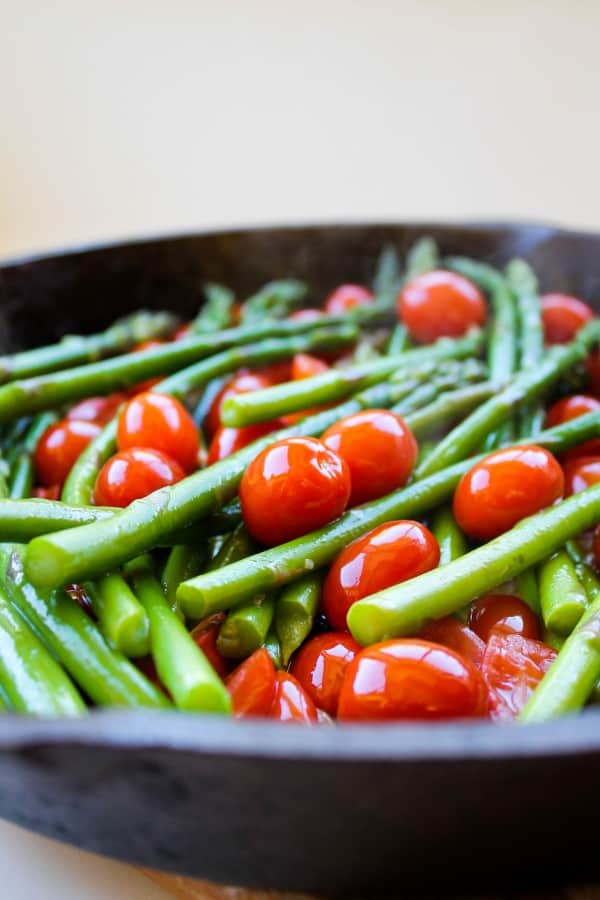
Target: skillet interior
{"type": "Point", "coordinates": [434, 807]}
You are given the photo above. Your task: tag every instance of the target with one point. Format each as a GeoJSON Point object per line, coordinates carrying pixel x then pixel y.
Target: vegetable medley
{"type": "Point", "coordinates": [383, 507]}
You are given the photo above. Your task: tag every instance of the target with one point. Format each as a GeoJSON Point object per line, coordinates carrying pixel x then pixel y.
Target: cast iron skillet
{"type": "Point", "coordinates": [357, 811]}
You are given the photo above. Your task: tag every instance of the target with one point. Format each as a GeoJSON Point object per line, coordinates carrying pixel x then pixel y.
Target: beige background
{"type": "Point", "coordinates": [134, 117]}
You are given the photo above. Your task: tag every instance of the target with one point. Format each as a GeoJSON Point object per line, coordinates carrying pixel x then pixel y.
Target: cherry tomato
{"type": "Point", "coordinates": [205, 635]}
{"type": "Point", "coordinates": [292, 487]}
{"type": "Point", "coordinates": [504, 488]}
{"type": "Point", "coordinates": [457, 636]}
{"type": "Point", "coordinates": [253, 685]}
{"type": "Point", "coordinates": [387, 555]}
{"type": "Point", "coordinates": [59, 448]}
{"type": "Point", "coordinates": [502, 613]}
{"type": "Point", "coordinates": [319, 666]}
{"type": "Point", "coordinates": [513, 666]}
{"type": "Point", "coordinates": [49, 493]}
{"type": "Point", "coordinates": [132, 474]}
{"type": "Point", "coordinates": [346, 297]}
{"type": "Point", "coordinates": [581, 473]}
{"type": "Point", "coordinates": [306, 315]}
{"type": "Point", "coordinates": [229, 440]}
{"type": "Point", "coordinates": [243, 383]}
{"type": "Point", "coordinates": [305, 366]}
{"type": "Point", "coordinates": [440, 304]}
{"type": "Point", "coordinates": [571, 408]}
{"type": "Point", "coordinates": [379, 449]}
{"type": "Point", "coordinates": [97, 409]}
{"type": "Point", "coordinates": [292, 703]}
{"type": "Point", "coordinates": [411, 679]}
{"type": "Point", "coordinates": [563, 316]}
{"type": "Point", "coordinates": [159, 422]}
{"type": "Point", "coordinates": [181, 333]}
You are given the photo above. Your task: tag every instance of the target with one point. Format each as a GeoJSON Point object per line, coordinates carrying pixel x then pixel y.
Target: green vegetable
{"type": "Point", "coordinates": [422, 257]}
{"type": "Point", "coordinates": [275, 300]}
{"type": "Point", "coordinates": [404, 609]}
{"type": "Point", "coordinates": [120, 615]}
{"type": "Point", "coordinates": [22, 473]}
{"type": "Point", "coordinates": [273, 648]}
{"type": "Point", "coordinates": [450, 406]}
{"type": "Point", "coordinates": [295, 612]}
{"type": "Point", "coordinates": [388, 278]}
{"type": "Point", "coordinates": [216, 312]}
{"type": "Point", "coordinates": [523, 283]}
{"type": "Point", "coordinates": [78, 489]}
{"type": "Point", "coordinates": [75, 350]}
{"type": "Point", "coordinates": [563, 599]}
{"type": "Point", "coordinates": [31, 678]}
{"type": "Point", "coordinates": [452, 541]}
{"type": "Point", "coordinates": [246, 628]}
{"type": "Point", "coordinates": [184, 561]}
{"type": "Point", "coordinates": [182, 666]}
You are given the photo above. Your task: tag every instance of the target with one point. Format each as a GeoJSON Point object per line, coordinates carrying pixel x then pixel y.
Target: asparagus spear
{"type": "Point", "coordinates": [275, 300]}
{"type": "Point", "coordinates": [216, 312]}
{"type": "Point", "coordinates": [295, 612]}
{"type": "Point", "coordinates": [523, 283]}
{"type": "Point", "coordinates": [246, 628]}
{"type": "Point", "coordinates": [121, 616]}
{"type": "Point", "coordinates": [563, 599]}
{"type": "Point", "coordinates": [75, 350]}
{"type": "Point", "coordinates": [452, 541]}
{"type": "Point", "coordinates": [404, 609]}
{"type": "Point", "coordinates": [278, 566]}
{"type": "Point", "coordinates": [422, 257]}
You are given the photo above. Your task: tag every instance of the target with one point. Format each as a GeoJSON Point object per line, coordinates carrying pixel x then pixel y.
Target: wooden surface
{"type": "Point", "coordinates": [192, 889]}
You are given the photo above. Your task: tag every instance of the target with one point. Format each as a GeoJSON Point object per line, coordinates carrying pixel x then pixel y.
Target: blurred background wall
{"type": "Point", "coordinates": [129, 117]}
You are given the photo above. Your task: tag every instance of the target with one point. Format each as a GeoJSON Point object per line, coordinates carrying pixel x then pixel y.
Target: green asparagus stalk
{"type": "Point", "coordinates": [563, 599]}
{"type": "Point", "coordinates": [523, 283]}
{"type": "Point", "coordinates": [452, 541]}
{"type": "Point", "coordinates": [337, 384]}
{"type": "Point", "coordinates": [246, 628]}
{"type": "Point", "coordinates": [121, 616]}
{"type": "Point", "coordinates": [22, 474]}
{"type": "Point", "coordinates": [273, 648]}
{"type": "Point", "coordinates": [404, 609]}
{"type": "Point", "coordinates": [31, 678]}
{"type": "Point", "coordinates": [295, 612]}
{"type": "Point", "coordinates": [215, 315]}
{"type": "Point", "coordinates": [275, 300]}
{"type": "Point", "coordinates": [184, 561]}
{"type": "Point", "coordinates": [525, 387]}
{"type": "Point", "coordinates": [77, 350]}
{"type": "Point", "coordinates": [276, 567]}
{"type": "Point", "coordinates": [78, 489]}
{"type": "Point", "coordinates": [182, 666]}
{"type": "Point", "coordinates": [422, 257]}
{"type": "Point", "coordinates": [451, 406]}
{"type": "Point", "coordinates": [106, 676]}
{"type": "Point", "coordinates": [388, 277]}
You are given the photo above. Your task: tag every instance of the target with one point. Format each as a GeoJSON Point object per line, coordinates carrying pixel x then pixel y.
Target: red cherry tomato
{"type": "Point", "coordinates": [457, 636]}
{"type": "Point", "coordinates": [563, 316]}
{"type": "Point", "coordinates": [504, 488]}
{"type": "Point", "coordinates": [253, 685]}
{"type": "Point", "coordinates": [243, 383]}
{"type": "Point", "coordinates": [59, 448]}
{"type": "Point", "coordinates": [306, 366]}
{"type": "Point", "coordinates": [49, 493]}
{"type": "Point", "coordinates": [205, 635]}
{"type": "Point", "coordinates": [97, 409]}
{"type": "Point", "coordinates": [133, 474]}
{"type": "Point", "coordinates": [306, 315]}
{"type": "Point", "coordinates": [571, 408]}
{"type": "Point", "coordinates": [513, 666]}
{"type": "Point", "coordinates": [581, 473]}
{"type": "Point", "coordinates": [379, 449]}
{"type": "Point", "coordinates": [159, 422]}
{"type": "Point", "coordinates": [292, 487]}
{"type": "Point", "coordinates": [346, 297]}
{"type": "Point", "coordinates": [292, 703]}
{"type": "Point", "coordinates": [387, 555]}
{"type": "Point", "coordinates": [229, 440]}
{"type": "Point", "coordinates": [440, 304]}
{"type": "Point", "coordinates": [503, 613]}
{"type": "Point", "coordinates": [319, 666]}
{"type": "Point", "coordinates": [411, 679]}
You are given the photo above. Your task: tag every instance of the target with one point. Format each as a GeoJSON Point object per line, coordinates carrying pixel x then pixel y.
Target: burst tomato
{"type": "Point", "coordinates": [457, 636]}
{"type": "Point", "coordinates": [504, 613]}
{"type": "Point", "coordinates": [253, 685]}
{"type": "Point", "coordinates": [513, 666]}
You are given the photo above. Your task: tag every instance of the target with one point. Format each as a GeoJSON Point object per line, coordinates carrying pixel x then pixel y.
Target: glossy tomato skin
{"type": "Point", "coordinates": [581, 473]}
{"type": "Point", "coordinates": [503, 613]}
{"type": "Point", "coordinates": [291, 488]}
{"type": "Point", "coordinates": [346, 297]}
{"type": "Point", "coordinates": [242, 383]}
{"type": "Point", "coordinates": [159, 422]}
{"type": "Point", "coordinates": [379, 449]}
{"type": "Point", "coordinates": [252, 686]}
{"type": "Point", "coordinates": [306, 366]}
{"type": "Point", "coordinates": [411, 679]}
{"type": "Point", "coordinates": [59, 448]}
{"type": "Point", "coordinates": [229, 440]}
{"type": "Point", "coordinates": [571, 408]}
{"type": "Point", "coordinates": [450, 632]}
{"type": "Point", "coordinates": [97, 409]}
{"type": "Point", "coordinates": [132, 474]}
{"type": "Point", "coordinates": [504, 488]}
{"type": "Point", "coordinates": [319, 666]}
{"type": "Point", "coordinates": [292, 703]}
{"type": "Point", "coordinates": [387, 555]}
{"type": "Point", "coordinates": [563, 316]}
{"type": "Point", "coordinates": [205, 635]}
{"type": "Point", "coordinates": [440, 304]}
{"type": "Point", "coordinates": [512, 668]}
